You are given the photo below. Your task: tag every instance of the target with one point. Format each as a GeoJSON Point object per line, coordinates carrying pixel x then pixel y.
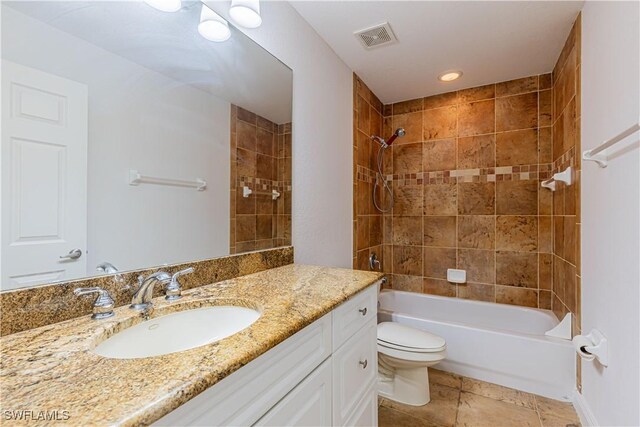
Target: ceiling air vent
{"type": "Point", "coordinates": [379, 35]}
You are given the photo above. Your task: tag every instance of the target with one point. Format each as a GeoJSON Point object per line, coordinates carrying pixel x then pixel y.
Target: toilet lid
{"type": "Point", "coordinates": [395, 335]}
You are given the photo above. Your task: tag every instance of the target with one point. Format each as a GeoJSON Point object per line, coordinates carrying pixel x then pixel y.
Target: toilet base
{"type": "Point", "coordinates": [408, 386]}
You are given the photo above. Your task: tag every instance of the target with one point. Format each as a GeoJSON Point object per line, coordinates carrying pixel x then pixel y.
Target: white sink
{"type": "Point", "coordinates": [177, 332]}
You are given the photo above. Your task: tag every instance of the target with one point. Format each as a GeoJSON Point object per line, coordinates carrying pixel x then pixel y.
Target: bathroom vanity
{"type": "Point", "coordinates": [310, 358]}
{"type": "Point", "coordinates": [323, 375]}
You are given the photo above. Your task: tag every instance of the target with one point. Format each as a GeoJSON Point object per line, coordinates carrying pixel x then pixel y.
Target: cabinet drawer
{"type": "Point", "coordinates": [355, 367]}
{"type": "Point", "coordinates": [309, 404]}
{"type": "Point", "coordinates": [353, 314]}
{"type": "Point", "coordinates": [366, 413]}
{"type": "Point", "coordinates": [247, 394]}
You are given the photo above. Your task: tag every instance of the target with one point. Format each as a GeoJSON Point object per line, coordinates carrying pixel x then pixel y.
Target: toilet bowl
{"type": "Point", "coordinates": [404, 355]}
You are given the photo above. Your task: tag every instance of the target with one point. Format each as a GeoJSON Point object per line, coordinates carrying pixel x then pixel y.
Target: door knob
{"type": "Point", "coordinates": [73, 254]}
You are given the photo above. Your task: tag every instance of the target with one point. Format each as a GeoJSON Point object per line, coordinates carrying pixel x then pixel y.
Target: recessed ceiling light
{"type": "Point", "coordinates": [212, 26]}
{"type": "Point", "coordinates": [449, 76]}
{"type": "Point", "coordinates": [165, 5]}
{"type": "Point", "coordinates": [246, 13]}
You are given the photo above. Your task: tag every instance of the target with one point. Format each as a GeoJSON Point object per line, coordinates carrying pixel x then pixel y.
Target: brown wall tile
{"type": "Point", "coordinates": [440, 199]}
{"type": "Point", "coordinates": [517, 233]}
{"type": "Point", "coordinates": [518, 147]}
{"type": "Point", "coordinates": [440, 123]}
{"type": "Point", "coordinates": [476, 118]}
{"type": "Point", "coordinates": [477, 93]}
{"type": "Point", "coordinates": [517, 112]}
{"type": "Point", "coordinates": [439, 155]}
{"type": "Point", "coordinates": [517, 86]}
{"type": "Point", "coordinates": [406, 283]}
{"type": "Point", "coordinates": [407, 158]}
{"type": "Point", "coordinates": [440, 231]}
{"type": "Point", "coordinates": [412, 124]}
{"type": "Point", "coordinates": [517, 269]}
{"type": "Point", "coordinates": [476, 198]}
{"type": "Point", "coordinates": [480, 265]}
{"type": "Point", "coordinates": [407, 260]}
{"type": "Point", "coordinates": [517, 198]}
{"type": "Point", "coordinates": [476, 232]}
{"type": "Point", "coordinates": [437, 261]}
{"type": "Point", "coordinates": [407, 230]}
{"type": "Point", "coordinates": [407, 200]}
{"type": "Point", "coordinates": [477, 152]}
{"type": "Point", "coordinates": [477, 292]}
{"type": "Point", "coordinates": [516, 296]}
{"type": "Point", "coordinates": [441, 100]}
{"type": "Point", "coordinates": [438, 287]}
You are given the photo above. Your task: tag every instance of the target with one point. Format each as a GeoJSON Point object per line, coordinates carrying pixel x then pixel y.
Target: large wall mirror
{"type": "Point", "coordinates": [130, 141]}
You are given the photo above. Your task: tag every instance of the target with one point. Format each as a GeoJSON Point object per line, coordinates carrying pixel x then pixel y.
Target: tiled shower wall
{"type": "Point", "coordinates": [367, 224]}
{"type": "Point", "coordinates": [260, 160]}
{"type": "Point", "coordinates": [566, 200]}
{"type": "Point", "coordinates": [466, 180]}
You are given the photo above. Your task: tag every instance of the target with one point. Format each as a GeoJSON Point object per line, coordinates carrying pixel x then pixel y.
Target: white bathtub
{"type": "Point", "coordinates": [498, 343]}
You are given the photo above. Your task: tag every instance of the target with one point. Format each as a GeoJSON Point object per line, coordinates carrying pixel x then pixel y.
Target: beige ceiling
{"type": "Point", "coordinates": [488, 41]}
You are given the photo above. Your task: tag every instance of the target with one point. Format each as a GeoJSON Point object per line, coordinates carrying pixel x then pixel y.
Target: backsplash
{"type": "Point", "coordinates": [30, 308]}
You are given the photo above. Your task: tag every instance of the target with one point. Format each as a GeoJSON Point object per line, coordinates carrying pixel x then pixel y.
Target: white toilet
{"type": "Point", "coordinates": [404, 355]}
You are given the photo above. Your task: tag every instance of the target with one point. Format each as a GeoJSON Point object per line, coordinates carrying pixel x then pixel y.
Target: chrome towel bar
{"type": "Point", "coordinates": [594, 155]}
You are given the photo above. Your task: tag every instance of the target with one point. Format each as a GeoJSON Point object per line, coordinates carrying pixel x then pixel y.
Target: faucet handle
{"type": "Point", "coordinates": [174, 290]}
{"type": "Point", "coordinates": [103, 305]}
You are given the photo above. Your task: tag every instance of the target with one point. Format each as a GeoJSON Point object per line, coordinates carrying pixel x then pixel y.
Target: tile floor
{"type": "Point", "coordinates": [460, 401]}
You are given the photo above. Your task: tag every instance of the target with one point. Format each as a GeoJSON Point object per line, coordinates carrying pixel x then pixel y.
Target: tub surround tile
{"type": "Point", "coordinates": [517, 86]}
{"type": "Point", "coordinates": [438, 287]}
{"type": "Point", "coordinates": [407, 230]}
{"type": "Point", "coordinates": [477, 292]}
{"type": "Point", "coordinates": [480, 265]}
{"type": "Point", "coordinates": [440, 123]}
{"type": "Point", "coordinates": [440, 199]}
{"type": "Point", "coordinates": [439, 231]}
{"type": "Point", "coordinates": [411, 123]}
{"type": "Point", "coordinates": [476, 118]}
{"type": "Point", "coordinates": [39, 364]}
{"type": "Point", "coordinates": [477, 232]}
{"type": "Point", "coordinates": [476, 198]}
{"type": "Point", "coordinates": [477, 93]}
{"type": "Point", "coordinates": [516, 296]}
{"type": "Point", "coordinates": [439, 155]}
{"type": "Point", "coordinates": [519, 147]}
{"type": "Point", "coordinates": [517, 233]}
{"type": "Point", "coordinates": [517, 112]}
{"type": "Point", "coordinates": [517, 197]}
{"type": "Point", "coordinates": [25, 309]}
{"type": "Point", "coordinates": [476, 152]}
{"type": "Point", "coordinates": [437, 261]}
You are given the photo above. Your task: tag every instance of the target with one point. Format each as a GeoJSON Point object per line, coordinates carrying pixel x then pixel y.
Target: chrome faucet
{"type": "Point", "coordinates": [142, 297]}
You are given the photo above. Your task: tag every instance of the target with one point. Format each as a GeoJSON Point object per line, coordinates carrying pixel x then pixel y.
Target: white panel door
{"type": "Point", "coordinates": [44, 176]}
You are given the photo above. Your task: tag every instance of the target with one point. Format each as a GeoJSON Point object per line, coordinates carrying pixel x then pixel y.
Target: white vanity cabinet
{"type": "Point", "coordinates": [324, 375]}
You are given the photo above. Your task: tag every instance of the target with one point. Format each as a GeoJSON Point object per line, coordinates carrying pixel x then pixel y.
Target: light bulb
{"type": "Point", "coordinates": [246, 13]}
{"type": "Point", "coordinates": [165, 5]}
{"type": "Point", "coordinates": [449, 76]}
{"type": "Point", "coordinates": [212, 26]}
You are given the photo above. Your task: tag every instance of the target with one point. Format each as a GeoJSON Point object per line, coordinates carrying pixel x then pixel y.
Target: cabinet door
{"type": "Point", "coordinates": [366, 413]}
{"type": "Point", "coordinates": [355, 368]}
{"type": "Point", "coordinates": [309, 404]}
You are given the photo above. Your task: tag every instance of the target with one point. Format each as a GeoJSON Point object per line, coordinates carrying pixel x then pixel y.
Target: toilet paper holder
{"type": "Point", "coordinates": [593, 345]}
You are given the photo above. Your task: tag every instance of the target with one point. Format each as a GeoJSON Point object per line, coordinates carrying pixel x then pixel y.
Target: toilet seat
{"type": "Point", "coordinates": [401, 338]}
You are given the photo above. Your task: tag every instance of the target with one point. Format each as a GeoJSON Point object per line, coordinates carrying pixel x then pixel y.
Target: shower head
{"type": "Point", "coordinates": [397, 133]}
{"type": "Point", "coordinates": [387, 143]}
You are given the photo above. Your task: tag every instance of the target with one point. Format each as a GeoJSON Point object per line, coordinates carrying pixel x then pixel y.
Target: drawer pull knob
{"type": "Point", "coordinates": [363, 311]}
{"type": "Point", "coordinates": [363, 363]}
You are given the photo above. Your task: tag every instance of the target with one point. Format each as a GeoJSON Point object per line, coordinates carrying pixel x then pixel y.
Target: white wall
{"type": "Point", "coordinates": [138, 119]}
{"type": "Point", "coordinates": [322, 134]}
{"type": "Point", "coordinates": [611, 208]}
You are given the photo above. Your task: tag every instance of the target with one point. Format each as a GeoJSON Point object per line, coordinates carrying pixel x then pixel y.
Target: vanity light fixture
{"type": "Point", "coordinates": [246, 13]}
{"type": "Point", "coordinates": [449, 76]}
{"type": "Point", "coordinates": [165, 5]}
{"type": "Point", "coordinates": [212, 26]}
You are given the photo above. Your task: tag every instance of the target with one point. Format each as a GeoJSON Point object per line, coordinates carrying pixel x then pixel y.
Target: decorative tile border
{"type": "Point", "coordinates": [501, 173]}
{"type": "Point", "coordinates": [263, 184]}
{"type": "Point", "coordinates": [566, 160]}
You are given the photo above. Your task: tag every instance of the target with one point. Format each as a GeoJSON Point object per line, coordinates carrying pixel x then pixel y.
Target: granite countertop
{"type": "Point", "coordinates": [52, 368]}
